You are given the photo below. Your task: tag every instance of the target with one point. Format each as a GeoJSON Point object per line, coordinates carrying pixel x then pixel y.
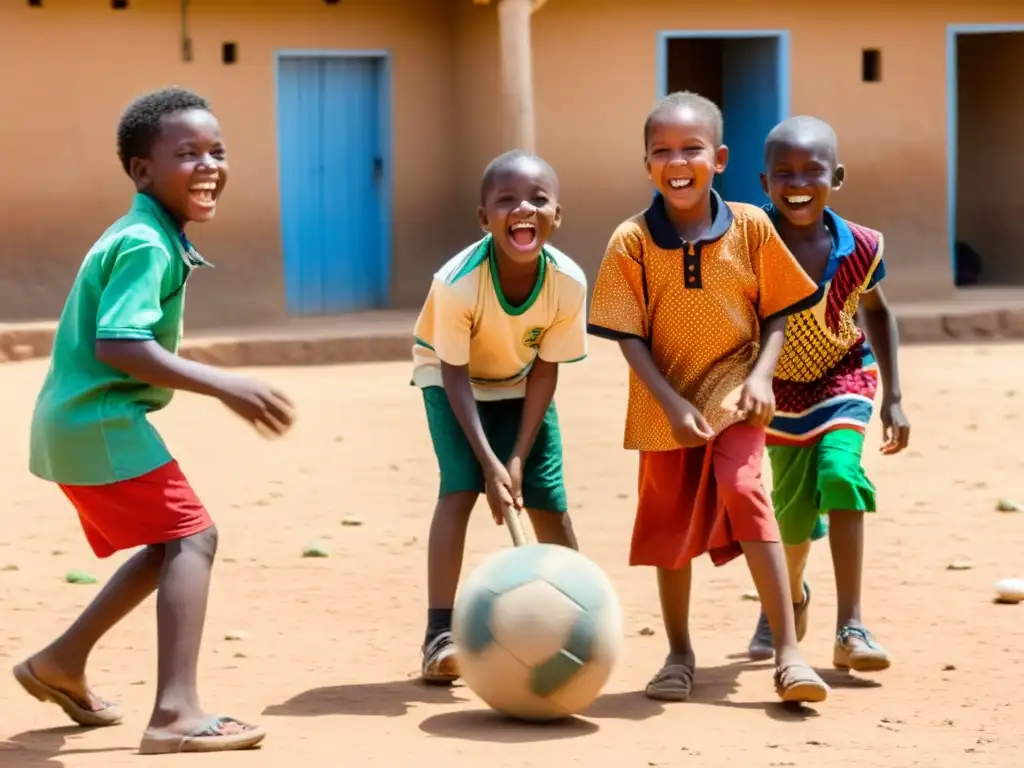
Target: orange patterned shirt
{"type": "Point", "coordinates": [698, 306]}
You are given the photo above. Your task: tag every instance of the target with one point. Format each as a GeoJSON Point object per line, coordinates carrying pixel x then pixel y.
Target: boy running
{"type": "Point", "coordinates": [825, 384]}
{"type": "Point", "coordinates": [114, 362]}
{"type": "Point", "coordinates": [696, 292]}
{"type": "Point", "coordinates": [499, 318]}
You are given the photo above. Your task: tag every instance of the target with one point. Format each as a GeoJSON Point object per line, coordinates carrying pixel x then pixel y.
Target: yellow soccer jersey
{"type": "Point", "coordinates": [466, 320]}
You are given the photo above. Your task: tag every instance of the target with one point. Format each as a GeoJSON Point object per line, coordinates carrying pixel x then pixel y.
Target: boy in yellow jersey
{"type": "Point", "coordinates": [499, 318]}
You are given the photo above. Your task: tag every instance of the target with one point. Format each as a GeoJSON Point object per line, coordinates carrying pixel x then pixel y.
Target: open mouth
{"type": "Point", "coordinates": [523, 234]}
{"type": "Point", "coordinates": [798, 201]}
{"type": "Point", "coordinates": [203, 193]}
{"type": "Point", "coordinates": [680, 183]}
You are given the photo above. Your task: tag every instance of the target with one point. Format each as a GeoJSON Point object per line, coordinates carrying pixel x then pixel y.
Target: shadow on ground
{"type": "Point", "coordinates": [45, 748]}
{"type": "Point", "coordinates": [391, 699]}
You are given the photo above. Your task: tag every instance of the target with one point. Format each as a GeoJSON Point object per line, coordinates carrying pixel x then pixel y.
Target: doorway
{"type": "Point", "coordinates": [986, 120]}
{"type": "Point", "coordinates": [745, 72]}
{"type": "Point", "coordinates": [333, 119]}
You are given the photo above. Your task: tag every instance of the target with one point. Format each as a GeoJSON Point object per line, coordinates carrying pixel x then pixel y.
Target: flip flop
{"type": "Point", "coordinates": [108, 714]}
{"type": "Point", "coordinates": [674, 682]}
{"type": "Point", "coordinates": [799, 683]}
{"type": "Point", "coordinates": [206, 738]}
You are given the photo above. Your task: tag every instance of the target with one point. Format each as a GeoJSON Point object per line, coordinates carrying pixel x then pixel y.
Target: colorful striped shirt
{"type": "Point", "coordinates": [827, 375]}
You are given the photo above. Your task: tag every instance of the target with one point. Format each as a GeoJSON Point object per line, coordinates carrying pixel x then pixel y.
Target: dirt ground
{"type": "Point", "coordinates": [331, 645]}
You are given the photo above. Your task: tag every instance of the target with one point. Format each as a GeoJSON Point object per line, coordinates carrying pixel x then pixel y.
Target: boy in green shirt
{"type": "Point", "coordinates": [113, 361]}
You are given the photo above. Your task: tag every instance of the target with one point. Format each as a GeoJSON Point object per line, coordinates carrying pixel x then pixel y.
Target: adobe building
{"type": "Point", "coordinates": [357, 130]}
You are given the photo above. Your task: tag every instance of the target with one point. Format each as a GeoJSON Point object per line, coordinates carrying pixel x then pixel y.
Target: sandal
{"type": "Point", "coordinates": [208, 737]}
{"type": "Point", "coordinates": [108, 712]}
{"type": "Point", "coordinates": [856, 649]}
{"type": "Point", "coordinates": [799, 683]}
{"type": "Point", "coordinates": [674, 682]}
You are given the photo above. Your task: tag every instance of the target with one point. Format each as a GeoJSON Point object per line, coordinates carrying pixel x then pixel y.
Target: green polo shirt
{"type": "Point", "coordinates": [89, 426]}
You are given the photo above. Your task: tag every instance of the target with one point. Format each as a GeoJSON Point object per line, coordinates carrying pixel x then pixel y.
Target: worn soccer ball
{"type": "Point", "coordinates": [538, 630]}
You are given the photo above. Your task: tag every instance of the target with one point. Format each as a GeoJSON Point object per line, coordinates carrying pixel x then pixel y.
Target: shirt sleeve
{"type": "Point", "coordinates": [130, 304]}
{"type": "Point", "coordinates": [877, 273]}
{"type": "Point", "coordinates": [445, 324]}
{"type": "Point", "coordinates": [618, 308]}
{"type": "Point", "coordinates": [782, 285]}
{"type": "Point", "coordinates": [566, 340]}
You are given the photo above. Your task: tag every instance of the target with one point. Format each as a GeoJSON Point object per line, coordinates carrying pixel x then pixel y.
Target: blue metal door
{"type": "Point", "coordinates": [330, 146]}
{"type": "Point", "coordinates": [751, 104]}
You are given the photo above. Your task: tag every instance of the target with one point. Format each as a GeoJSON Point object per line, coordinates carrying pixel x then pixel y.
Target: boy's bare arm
{"type": "Point", "coordinates": [880, 324]}
{"type": "Point", "coordinates": [689, 426]}
{"type": "Point", "coordinates": [773, 337]}
{"type": "Point", "coordinates": [540, 391]}
{"type": "Point", "coordinates": [146, 361]}
{"type": "Point", "coordinates": [455, 379]}
{"type": "Point", "coordinates": [883, 333]}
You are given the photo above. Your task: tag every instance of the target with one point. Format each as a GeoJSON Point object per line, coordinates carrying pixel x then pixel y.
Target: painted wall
{"type": "Point", "coordinates": [595, 80]}
{"type": "Point", "coordinates": [73, 66]}
{"type": "Point", "coordinates": [70, 69]}
{"type": "Point", "coordinates": [990, 164]}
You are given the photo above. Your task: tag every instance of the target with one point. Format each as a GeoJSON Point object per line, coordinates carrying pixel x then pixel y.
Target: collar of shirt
{"type": "Point", "coordinates": [664, 233]}
{"type": "Point", "coordinates": [842, 238]}
{"type": "Point", "coordinates": [188, 252]}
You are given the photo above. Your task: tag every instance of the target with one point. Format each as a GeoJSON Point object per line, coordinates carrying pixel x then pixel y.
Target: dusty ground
{"type": "Point", "coordinates": [331, 644]}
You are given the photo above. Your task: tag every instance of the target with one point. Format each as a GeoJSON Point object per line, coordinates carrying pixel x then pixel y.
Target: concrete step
{"type": "Point", "coordinates": [387, 335]}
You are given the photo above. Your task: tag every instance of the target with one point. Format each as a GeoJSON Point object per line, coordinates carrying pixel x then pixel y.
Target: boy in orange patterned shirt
{"type": "Point", "coordinates": [696, 291]}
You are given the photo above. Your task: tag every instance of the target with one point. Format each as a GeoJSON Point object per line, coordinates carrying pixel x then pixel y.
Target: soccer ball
{"type": "Point", "coordinates": [538, 630]}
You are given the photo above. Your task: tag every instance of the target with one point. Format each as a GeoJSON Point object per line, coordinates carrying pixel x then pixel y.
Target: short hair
{"type": "Point", "coordinates": [702, 105]}
{"type": "Point", "coordinates": [505, 162]}
{"type": "Point", "coordinates": [803, 129]}
{"type": "Point", "coordinates": [140, 123]}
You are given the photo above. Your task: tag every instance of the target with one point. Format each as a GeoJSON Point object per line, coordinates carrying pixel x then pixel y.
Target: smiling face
{"type": "Point", "coordinates": [801, 172]}
{"type": "Point", "coordinates": [520, 209]}
{"type": "Point", "coordinates": [187, 166]}
{"type": "Point", "coordinates": [683, 156]}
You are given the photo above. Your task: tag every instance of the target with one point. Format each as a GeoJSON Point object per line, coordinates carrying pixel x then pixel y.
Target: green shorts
{"type": "Point", "coordinates": [543, 482]}
{"type": "Point", "coordinates": [810, 481]}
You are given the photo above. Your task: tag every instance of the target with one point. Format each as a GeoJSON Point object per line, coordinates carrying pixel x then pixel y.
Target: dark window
{"type": "Point", "coordinates": [229, 53]}
{"type": "Point", "coordinates": [871, 65]}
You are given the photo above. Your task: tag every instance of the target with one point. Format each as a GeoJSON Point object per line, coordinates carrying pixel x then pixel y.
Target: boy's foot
{"type": "Point", "coordinates": [856, 649]}
{"type": "Point", "coordinates": [215, 734]}
{"type": "Point", "coordinates": [762, 644]}
{"type": "Point", "coordinates": [440, 663]}
{"type": "Point", "coordinates": [86, 709]}
{"type": "Point", "coordinates": [799, 683]}
{"type": "Point", "coordinates": [674, 681]}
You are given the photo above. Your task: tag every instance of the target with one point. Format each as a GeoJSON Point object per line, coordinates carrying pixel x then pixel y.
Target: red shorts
{"type": "Point", "coordinates": [707, 499]}
{"type": "Point", "coordinates": [155, 508]}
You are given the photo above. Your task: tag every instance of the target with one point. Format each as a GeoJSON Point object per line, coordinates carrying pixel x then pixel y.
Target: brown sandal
{"type": "Point", "coordinates": [106, 714]}
{"type": "Point", "coordinates": [674, 682]}
{"type": "Point", "coordinates": [798, 683]}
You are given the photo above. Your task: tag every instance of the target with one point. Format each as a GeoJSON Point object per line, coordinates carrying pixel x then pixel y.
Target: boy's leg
{"type": "Point", "coordinates": [846, 491]}
{"type": "Point", "coordinates": [667, 488]}
{"type": "Point", "coordinates": [461, 482]}
{"type": "Point", "coordinates": [60, 667]}
{"type": "Point", "coordinates": [796, 510]}
{"type": "Point", "coordinates": [737, 459]}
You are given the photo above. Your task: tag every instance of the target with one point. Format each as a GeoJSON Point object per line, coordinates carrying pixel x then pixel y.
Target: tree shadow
{"type": "Point", "coordinates": [44, 748]}
{"type": "Point", "coordinates": [391, 699]}
{"type": "Point", "coordinates": [488, 725]}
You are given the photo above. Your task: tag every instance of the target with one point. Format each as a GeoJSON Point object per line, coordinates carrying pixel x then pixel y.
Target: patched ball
{"type": "Point", "coordinates": [538, 630]}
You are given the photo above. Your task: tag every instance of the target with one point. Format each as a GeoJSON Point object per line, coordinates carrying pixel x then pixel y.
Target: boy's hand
{"type": "Point", "coordinates": [895, 428]}
{"type": "Point", "coordinates": [515, 474]}
{"type": "Point", "coordinates": [498, 487]}
{"type": "Point", "coordinates": [689, 427]}
{"type": "Point", "coordinates": [267, 409]}
{"type": "Point", "coordinates": [757, 400]}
